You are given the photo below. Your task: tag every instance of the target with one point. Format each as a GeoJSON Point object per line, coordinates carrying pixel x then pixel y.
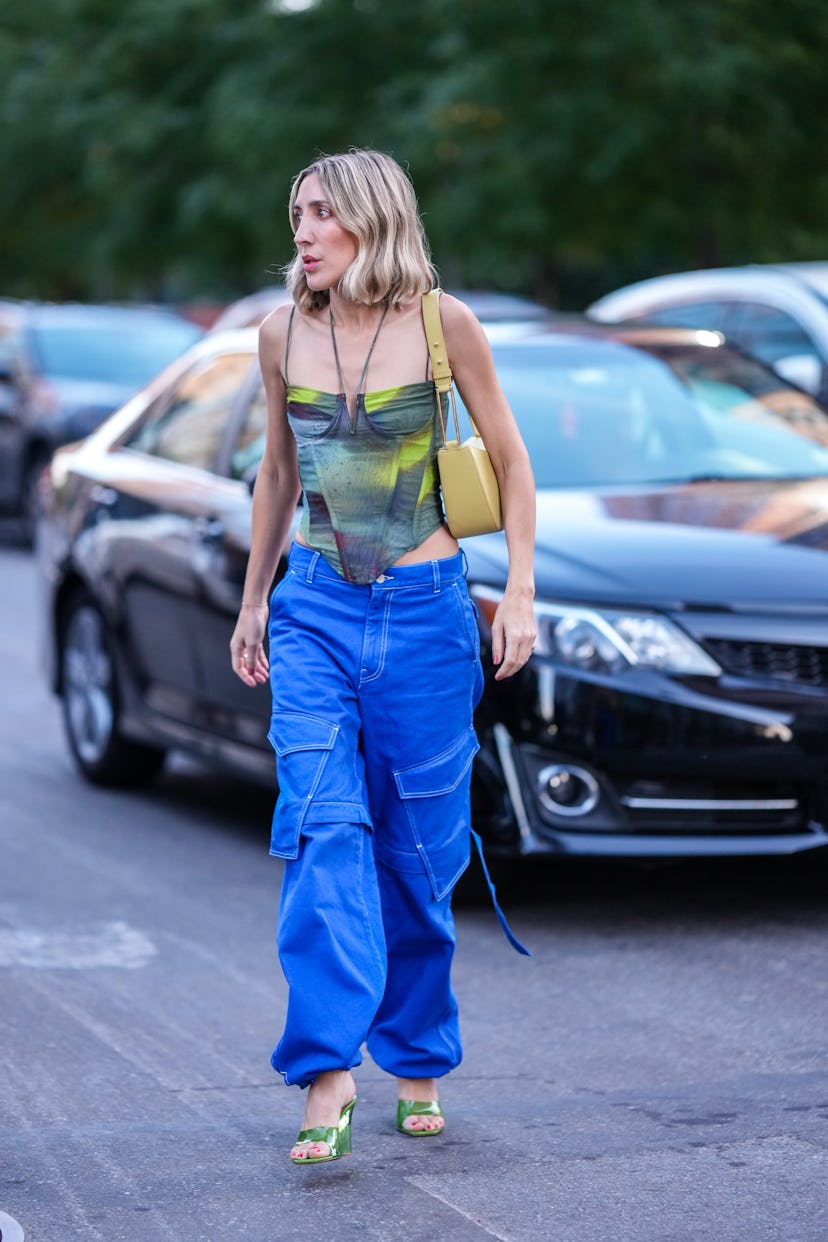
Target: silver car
{"type": "Point", "coordinates": [777, 312]}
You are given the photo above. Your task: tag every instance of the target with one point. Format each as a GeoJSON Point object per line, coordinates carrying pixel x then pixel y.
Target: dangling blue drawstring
{"type": "Point", "coordinates": [510, 935]}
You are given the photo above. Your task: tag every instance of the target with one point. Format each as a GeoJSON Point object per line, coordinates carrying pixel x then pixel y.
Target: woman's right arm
{"type": "Point", "coordinates": [275, 496]}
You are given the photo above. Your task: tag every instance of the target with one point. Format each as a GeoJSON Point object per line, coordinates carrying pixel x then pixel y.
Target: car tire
{"type": "Point", "coordinates": [91, 707]}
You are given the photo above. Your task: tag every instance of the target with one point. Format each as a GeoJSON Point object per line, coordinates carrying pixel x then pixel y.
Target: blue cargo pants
{"type": "Point", "coordinates": [374, 688]}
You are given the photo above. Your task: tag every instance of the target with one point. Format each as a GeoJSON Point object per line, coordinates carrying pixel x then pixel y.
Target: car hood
{"type": "Point", "coordinates": [713, 545]}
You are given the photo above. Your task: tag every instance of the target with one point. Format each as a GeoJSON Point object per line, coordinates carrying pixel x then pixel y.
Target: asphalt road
{"type": "Point", "coordinates": [656, 1072]}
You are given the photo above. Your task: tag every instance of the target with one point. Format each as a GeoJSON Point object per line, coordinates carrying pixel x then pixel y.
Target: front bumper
{"type": "Point", "coordinates": [646, 766]}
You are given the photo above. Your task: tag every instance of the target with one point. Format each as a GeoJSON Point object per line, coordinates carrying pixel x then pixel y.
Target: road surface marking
{"type": "Point", "coordinates": [113, 944]}
{"type": "Point", "coordinates": [419, 1182]}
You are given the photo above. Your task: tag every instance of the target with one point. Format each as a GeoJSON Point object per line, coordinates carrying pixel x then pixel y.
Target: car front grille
{"type": "Point", "coordinates": [807, 666]}
{"type": "Point", "coordinates": [731, 805]}
{"type": "Point", "coordinates": [733, 809]}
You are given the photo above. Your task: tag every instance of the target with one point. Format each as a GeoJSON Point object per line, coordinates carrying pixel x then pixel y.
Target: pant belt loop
{"type": "Point", "coordinates": [465, 563]}
{"type": "Point", "coordinates": [312, 567]}
{"type": "Point", "coordinates": [435, 574]}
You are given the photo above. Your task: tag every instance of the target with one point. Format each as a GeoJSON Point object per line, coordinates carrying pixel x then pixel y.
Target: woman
{"type": "Point", "coordinates": [373, 644]}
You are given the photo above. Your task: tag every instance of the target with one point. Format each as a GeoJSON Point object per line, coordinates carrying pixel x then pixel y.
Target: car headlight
{"type": "Point", "coordinates": [607, 640]}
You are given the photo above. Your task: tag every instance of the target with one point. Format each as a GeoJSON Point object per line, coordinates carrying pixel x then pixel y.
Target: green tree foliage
{"type": "Point", "coordinates": [557, 148]}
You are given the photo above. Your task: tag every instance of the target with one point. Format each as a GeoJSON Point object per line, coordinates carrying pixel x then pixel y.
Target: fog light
{"type": "Point", "coordinates": [565, 789]}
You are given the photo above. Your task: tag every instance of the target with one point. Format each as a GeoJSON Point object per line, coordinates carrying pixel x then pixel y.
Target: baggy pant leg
{"type": "Point", "coordinates": [405, 669]}
{"type": "Point", "coordinates": [415, 1033]}
{"type": "Point", "coordinates": [330, 937]}
{"type": "Point", "coordinates": [331, 951]}
{"type": "Point", "coordinates": [419, 746]}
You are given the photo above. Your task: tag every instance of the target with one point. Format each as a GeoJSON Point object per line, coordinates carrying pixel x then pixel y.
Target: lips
{"type": "Point", "coordinates": [309, 262]}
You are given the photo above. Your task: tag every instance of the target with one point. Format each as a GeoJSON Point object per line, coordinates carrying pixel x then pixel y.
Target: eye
{"type": "Point", "coordinates": [324, 213]}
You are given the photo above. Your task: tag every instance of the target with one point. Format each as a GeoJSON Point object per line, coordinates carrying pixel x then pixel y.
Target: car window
{"type": "Point", "coordinates": [249, 446]}
{"type": "Point", "coordinates": [124, 351]}
{"type": "Point", "coordinates": [769, 333]}
{"type": "Point", "coordinates": [715, 316]}
{"type": "Point", "coordinates": [186, 426]}
{"type": "Point", "coordinates": [602, 414]}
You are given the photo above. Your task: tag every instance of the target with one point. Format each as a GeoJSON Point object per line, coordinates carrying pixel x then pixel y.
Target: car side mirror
{"type": "Point", "coordinates": [804, 370]}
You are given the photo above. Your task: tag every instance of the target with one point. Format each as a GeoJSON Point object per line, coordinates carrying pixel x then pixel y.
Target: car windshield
{"type": "Point", "coordinates": [129, 351]}
{"type": "Point", "coordinates": [599, 413]}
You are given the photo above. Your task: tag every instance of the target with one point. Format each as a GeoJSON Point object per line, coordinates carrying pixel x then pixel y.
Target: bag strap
{"type": "Point", "coordinates": [440, 369]}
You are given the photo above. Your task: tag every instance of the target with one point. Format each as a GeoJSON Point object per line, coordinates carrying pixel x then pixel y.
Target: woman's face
{"type": "Point", "coordinates": [326, 249]}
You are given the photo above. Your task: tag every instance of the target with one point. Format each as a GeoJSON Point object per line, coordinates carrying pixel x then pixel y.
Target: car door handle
{"type": "Point", "coordinates": [210, 530]}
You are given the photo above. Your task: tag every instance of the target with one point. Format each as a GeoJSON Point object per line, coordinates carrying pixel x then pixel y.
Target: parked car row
{"type": "Point", "coordinates": [677, 699]}
{"type": "Point", "coordinates": [503, 313]}
{"type": "Point", "coordinates": [63, 368]}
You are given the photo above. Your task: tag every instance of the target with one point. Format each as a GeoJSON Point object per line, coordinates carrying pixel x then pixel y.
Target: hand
{"type": "Point", "coordinates": [513, 634]}
{"type": "Point", "coordinates": [246, 649]}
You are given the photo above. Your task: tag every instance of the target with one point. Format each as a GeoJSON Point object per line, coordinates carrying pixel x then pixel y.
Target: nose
{"type": "Point", "coordinates": [302, 235]}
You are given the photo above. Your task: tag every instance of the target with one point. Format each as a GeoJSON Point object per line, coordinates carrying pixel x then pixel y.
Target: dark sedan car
{"type": "Point", "coordinates": [677, 699]}
{"type": "Point", "coordinates": [63, 369]}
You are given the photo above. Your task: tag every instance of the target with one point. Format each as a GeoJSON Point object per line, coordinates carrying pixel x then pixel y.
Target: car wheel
{"type": "Point", "coordinates": [90, 703]}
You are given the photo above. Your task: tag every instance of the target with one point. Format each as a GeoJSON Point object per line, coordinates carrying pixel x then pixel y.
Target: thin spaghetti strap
{"type": "Point", "coordinates": [339, 378]}
{"type": "Point", "coordinates": [287, 345]}
{"type": "Point", "coordinates": [361, 388]}
{"type": "Point", "coordinates": [428, 351]}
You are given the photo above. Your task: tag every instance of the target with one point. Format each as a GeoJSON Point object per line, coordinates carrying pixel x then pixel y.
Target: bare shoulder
{"type": "Point", "coordinates": [455, 313]}
{"type": "Point", "coordinates": [273, 328]}
{"type": "Point", "coordinates": [461, 326]}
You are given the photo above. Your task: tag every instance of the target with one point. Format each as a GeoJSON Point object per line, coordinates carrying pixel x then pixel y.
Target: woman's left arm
{"type": "Point", "coordinates": [470, 358]}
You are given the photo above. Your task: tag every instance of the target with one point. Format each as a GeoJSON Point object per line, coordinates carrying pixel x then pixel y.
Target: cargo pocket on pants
{"type": "Point", "coordinates": [435, 794]}
{"type": "Point", "coordinates": [303, 745]}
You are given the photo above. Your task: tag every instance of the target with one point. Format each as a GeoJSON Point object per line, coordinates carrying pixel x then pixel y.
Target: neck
{"type": "Point", "coordinates": [355, 317]}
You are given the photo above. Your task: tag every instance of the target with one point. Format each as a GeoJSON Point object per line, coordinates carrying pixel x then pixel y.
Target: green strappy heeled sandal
{"type": "Point", "coordinates": [337, 1137]}
{"type": "Point", "coordinates": [418, 1108]}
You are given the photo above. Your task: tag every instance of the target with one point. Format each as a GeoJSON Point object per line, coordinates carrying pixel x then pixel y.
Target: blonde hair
{"type": "Point", "coordinates": [372, 197]}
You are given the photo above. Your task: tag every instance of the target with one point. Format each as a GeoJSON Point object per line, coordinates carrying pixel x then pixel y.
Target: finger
{"type": "Point", "coordinates": [498, 641]}
{"type": "Point", "coordinates": [244, 663]}
{"type": "Point", "coordinates": [261, 669]}
{"type": "Point", "coordinates": [258, 667]}
{"type": "Point", "coordinates": [517, 654]}
{"type": "Point", "coordinates": [507, 666]}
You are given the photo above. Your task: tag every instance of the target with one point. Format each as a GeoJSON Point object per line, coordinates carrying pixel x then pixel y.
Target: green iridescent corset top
{"type": "Point", "coordinates": [370, 485]}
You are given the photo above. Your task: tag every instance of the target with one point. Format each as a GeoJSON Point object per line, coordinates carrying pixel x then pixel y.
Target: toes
{"type": "Point", "coordinates": [306, 1150]}
{"type": "Point", "coordinates": [423, 1123]}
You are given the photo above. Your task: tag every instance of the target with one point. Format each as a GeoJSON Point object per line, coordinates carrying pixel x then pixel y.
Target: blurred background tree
{"type": "Point", "coordinates": [558, 149]}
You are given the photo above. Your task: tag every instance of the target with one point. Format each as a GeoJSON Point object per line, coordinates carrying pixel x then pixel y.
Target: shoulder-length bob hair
{"type": "Point", "coordinates": [372, 197]}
